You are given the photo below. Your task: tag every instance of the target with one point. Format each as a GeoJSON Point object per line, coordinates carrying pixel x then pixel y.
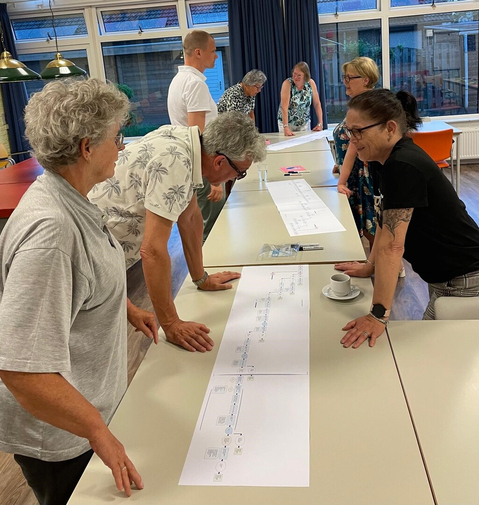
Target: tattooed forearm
{"type": "Point", "coordinates": [393, 217]}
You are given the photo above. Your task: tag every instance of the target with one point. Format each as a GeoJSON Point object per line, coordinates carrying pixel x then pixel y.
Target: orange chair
{"type": "Point", "coordinates": [5, 160]}
{"type": "Point", "coordinates": [437, 144]}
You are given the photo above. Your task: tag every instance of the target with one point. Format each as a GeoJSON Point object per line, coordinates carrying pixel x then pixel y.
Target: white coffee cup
{"type": "Point", "coordinates": [340, 284]}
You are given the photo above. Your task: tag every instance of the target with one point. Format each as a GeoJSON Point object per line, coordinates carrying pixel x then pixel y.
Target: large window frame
{"type": "Point", "coordinates": [384, 13]}
{"type": "Point", "coordinates": [92, 43]}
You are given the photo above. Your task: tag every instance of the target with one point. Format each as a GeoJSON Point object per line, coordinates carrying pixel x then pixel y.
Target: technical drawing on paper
{"type": "Point", "coordinates": [253, 427]}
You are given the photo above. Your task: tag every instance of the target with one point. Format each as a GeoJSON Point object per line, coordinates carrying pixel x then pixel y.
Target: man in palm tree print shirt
{"type": "Point", "coordinates": [154, 187]}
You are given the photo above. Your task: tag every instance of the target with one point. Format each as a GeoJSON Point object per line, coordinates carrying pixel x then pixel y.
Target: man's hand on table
{"type": "Point", "coordinates": [219, 281]}
{"type": "Point", "coordinates": [216, 193]}
{"type": "Point", "coordinates": [190, 335]}
{"type": "Point", "coordinates": [361, 329]}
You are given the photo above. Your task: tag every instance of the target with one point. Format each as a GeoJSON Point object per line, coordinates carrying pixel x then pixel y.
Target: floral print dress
{"type": "Point", "coordinates": [299, 109]}
{"type": "Point", "coordinates": [359, 182]}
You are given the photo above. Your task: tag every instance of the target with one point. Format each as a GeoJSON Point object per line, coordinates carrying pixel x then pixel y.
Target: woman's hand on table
{"type": "Point", "coordinates": [288, 132]}
{"type": "Point", "coordinates": [318, 127]}
{"type": "Point", "coordinates": [342, 188]}
{"type": "Point", "coordinates": [143, 321]}
{"type": "Point", "coordinates": [362, 329]}
{"type": "Point", "coordinates": [109, 449]}
{"type": "Point", "coordinates": [355, 269]}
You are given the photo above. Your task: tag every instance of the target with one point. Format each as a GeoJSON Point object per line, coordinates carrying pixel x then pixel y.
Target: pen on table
{"type": "Point", "coordinates": [298, 172]}
{"type": "Point", "coordinates": [292, 175]}
{"type": "Point", "coordinates": [310, 247]}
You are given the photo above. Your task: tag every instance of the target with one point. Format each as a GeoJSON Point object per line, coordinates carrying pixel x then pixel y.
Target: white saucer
{"type": "Point", "coordinates": [352, 294]}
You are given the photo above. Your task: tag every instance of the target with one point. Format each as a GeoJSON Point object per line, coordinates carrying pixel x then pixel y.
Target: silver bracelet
{"type": "Point", "coordinates": [367, 261]}
{"type": "Point", "coordinates": [201, 281]}
{"type": "Point", "coordinates": [379, 319]}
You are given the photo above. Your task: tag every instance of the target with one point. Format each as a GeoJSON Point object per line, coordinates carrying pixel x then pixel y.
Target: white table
{"type": "Point", "coordinates": [315, 145]}
{"type": "Point", "coordinates": [362, 451]}
{"type": "Point", "coordinates": [318, 163]}
{"type": "Point", "coordinates": [439, 365]}
{"type": "Point", "coordinates": [433, 126]}
{"type": "Point", "coordinates": [250, 219]}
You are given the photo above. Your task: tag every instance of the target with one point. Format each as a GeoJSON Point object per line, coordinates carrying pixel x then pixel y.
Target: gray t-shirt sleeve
{"type": "Point", "coordinates": [43, 293]}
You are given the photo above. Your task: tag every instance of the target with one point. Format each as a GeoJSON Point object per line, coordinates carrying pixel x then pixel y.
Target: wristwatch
{"type": "Point", "coordinates": [379, 311]}
{"type": "Point", "coordinates": [201, 281]}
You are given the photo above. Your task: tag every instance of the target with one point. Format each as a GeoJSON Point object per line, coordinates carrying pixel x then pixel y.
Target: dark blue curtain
{"type": "Point", "coordinates": [14, 95]}
{"type": "Point", "coordinates": [257, 41]}
{"type": "Point", "coordinates": [303, 44]}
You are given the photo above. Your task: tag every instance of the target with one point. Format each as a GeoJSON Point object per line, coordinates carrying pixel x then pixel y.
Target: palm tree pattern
{"type": "Point", "coordinates": [156, 170]}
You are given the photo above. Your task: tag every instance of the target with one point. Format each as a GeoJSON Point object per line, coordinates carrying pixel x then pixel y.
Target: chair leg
{"type": "Point", "coordinates": [452, 170]}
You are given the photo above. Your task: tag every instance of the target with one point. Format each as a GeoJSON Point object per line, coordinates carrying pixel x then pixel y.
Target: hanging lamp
{"type": "Point", "coordinates": [12, 70]}
{"type": "Point", "coordinates": [60, 67]}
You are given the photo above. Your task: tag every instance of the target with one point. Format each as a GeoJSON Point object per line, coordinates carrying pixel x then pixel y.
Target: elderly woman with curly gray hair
{"type": "Point", "coordinates": [242, 96]}
{"type": "Point", "coordinates": [63, 304]}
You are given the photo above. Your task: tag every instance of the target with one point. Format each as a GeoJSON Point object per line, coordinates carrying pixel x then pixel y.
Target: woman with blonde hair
{"type": "Point", "coordinates": [359, 75]}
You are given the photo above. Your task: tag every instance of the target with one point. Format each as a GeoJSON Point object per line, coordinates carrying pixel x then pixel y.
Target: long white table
{"type": "Point", "coordinates": [362, 450]}
{"type": "Point", "coordinates": [315, 145]}
{"type": "Point", "coordinates": [250, 219]}
{"type": "Point", "coordinates": [433, 126]}
{"type": "Point", "coordinates": [319, 163]}
{"type": "Point", "coordinates": [439, 365]}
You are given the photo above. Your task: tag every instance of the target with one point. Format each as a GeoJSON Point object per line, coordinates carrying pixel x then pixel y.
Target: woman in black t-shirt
{"type": "Point", "coordinates": [419, 214]}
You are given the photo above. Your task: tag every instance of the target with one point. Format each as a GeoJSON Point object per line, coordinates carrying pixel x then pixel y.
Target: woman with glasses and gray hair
{"type": "Point", "coordinates": [360, 75]}
{"type": "Point", "coordinates": [242, 96]}
{"type": "Point", "coordinates": [63, 304]}
{"type": "Point", "coordinates": [419, 214]}
{"type": "Point", "coordinates": [297, 94]}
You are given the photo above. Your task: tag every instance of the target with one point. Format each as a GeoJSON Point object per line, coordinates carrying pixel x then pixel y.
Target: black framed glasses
{"type": "Point", "coordinates": [347, 78]}
{"type": "Point", "coordinates": [241, 175]}
{"type": "Point", "coordinates": [357, 133]}
{"type": "Point", "coordinates": [119, 140]}
{"type": "Point", "coordinates": [259, 87]}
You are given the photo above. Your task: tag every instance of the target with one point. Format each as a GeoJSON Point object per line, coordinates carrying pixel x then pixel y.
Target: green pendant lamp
{"type": "Point", "coordinates": [60, 67]}
{"type": "Point", "coordinates": [13, 70]}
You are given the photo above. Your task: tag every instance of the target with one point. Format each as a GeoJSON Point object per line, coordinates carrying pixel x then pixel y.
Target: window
{"type": "Point", "coordinates": [335, 6]}
{"type": "Point", "coordinates": [435, 58]}
{"type": "Point", "coordinates": [145, 69]}
{"type": "Point", "coordinates": [404, 3]}
{"type": "Point", "coordinates": [341, 42]}
{"type": "Point", "coordinates": [146, 19]}
{"type": "Point", "coordinates": [41, 28]}
{"type": "Point", "coordinates": [38, 62]}
{"type": "Point", "coordinates": [208, 13]}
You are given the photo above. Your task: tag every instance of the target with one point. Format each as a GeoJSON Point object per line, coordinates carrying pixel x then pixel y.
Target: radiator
{"type": "Point", "coordinates": [469, 144]}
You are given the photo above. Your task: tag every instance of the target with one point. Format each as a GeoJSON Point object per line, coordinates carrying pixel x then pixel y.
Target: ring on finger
{"type": "Point", "coordinates": [367, 334]}
{"type": "Point", "coordinates": [124, 468]}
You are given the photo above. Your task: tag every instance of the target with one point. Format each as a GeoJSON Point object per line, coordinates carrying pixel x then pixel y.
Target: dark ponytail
{"type": "Point", "coordinates": [409, 105]}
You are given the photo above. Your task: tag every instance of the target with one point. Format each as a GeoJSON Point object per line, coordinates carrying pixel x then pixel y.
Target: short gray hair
{"type": "Point", "coordinates": [234, 135]}
{"type": "Point", "coordinates": [67, 111]}
{"type": "Point", "coordinates": [253, 77]}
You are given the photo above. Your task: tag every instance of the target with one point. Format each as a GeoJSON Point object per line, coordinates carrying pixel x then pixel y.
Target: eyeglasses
{"type": "Point", "coordinates": [259, 87]}
{"type": "Point", "coordinates": [241, 175]}
{"type": "Point", "coordinates": [119, 140]}
{"type": "Point", "coordinates": [347, 78]}
{"type": "Point", "coordinates": [357, 133]}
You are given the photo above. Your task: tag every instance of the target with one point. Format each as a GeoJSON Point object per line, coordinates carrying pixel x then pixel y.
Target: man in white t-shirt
{"type": "Point", "coordinates": [154, 187]}
{"type": "Point", "coordinates": [190, 104]}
